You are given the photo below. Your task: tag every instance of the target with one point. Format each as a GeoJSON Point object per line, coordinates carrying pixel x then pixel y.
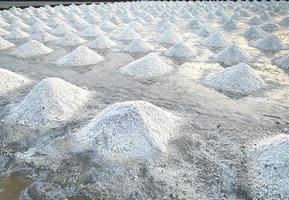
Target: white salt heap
{"type": "Point", "coordinates": [38, 26]}
{"type": "Point", "coordinates": [31, 49]}
{"type": "Point", "coordinates": [284, 22]}
{"type": "Point", "coordinates": [168, 37]}
{"type": "Point", "coordinates": [283, 62]}
{"type": "Point", "coordinates": [43, 36]}
{"type": "Point", "coordinates": [215, 40]}
{"type": "Point", "coordinates": [229, 24]}
{"type": "Point", "coordinates": [232, 55]}
{"type": "Point", "coordinates": [255, 21]}
{"type": "Point", "coordinates": [238, 80]}
{"type": "Point", "coordinates": [270, 27]}
{"type": "Point", "coordinates": [92, 31]}
{"type": "Point", "coordinates": [270, 43]}
{"type": "Point", "coordinates": [4, 44]}
{"type": "Point", "coordinates": [180, 51]}
{"type": "Point", "coordinates": [254, 33]}
{"type": "Point", "coordinates": [11, 81]}
{"type": "Point", "coordinates": [107, 25]}
{"type": "Point", "coordinates": [3, 32]}
{"type": "Point", "coordinates": [81, 56]}
{"type": "Point", "coordinates": [16, 34]}
{"type": "Point", "coordinates": [147, 67]}
{"type": "Point", "coordinates": [127, 34]}
{"type": "Point", "coordinates": [51, 101]}
{"type": "Point", "coordinates": [130, 129]}
{"type": "Point", "coordinates": [268, 174]}
{"type": "Point", "coordinates": [63, 29]}
{"type": "Point", "coordinates": [70, 39]}
{"type": "Point", "coordinates": [138, 46]}
{"type": "Point", "coordinates": [102, 42]}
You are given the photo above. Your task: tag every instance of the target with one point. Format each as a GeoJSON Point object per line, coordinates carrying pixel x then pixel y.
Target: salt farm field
{"type": "Point", "coordinates": [145, 100]}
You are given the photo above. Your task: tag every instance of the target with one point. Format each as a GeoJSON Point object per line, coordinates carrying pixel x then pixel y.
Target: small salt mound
{"type": "Point", "coordinates": [270, 27]}
{"type": "Point", "coordinates": [80, 24]}
{"type": "Point", "coordinates": [283, 62]}
{"type": "Point", "coordinates": [238, 80]}
{"type": "Point", "coordinates": [63, 29]}
{"type": "Point", "coordinates": [3, 32]}
{"type": "Point", "coordinates": [168, 37]}
{"type": "Point", "coordinates": [70, 39]}
{"type": "Point", "coordinates": [81, 56]}
{"type": "Point", "coordinates": [254, 33]}
{"type": "Point", "coordinates": [31, 49]}
{"type": "Point", "coordinates": [3, 23]}
{"type": "Point", "coordinates": [43, 36]}
{"type": "Point", "coordinates": [270, 43]}
{"type": "Point", "coordinates": [147, 67]}
{"type": "Point", "coordinates": [132, 129]}
{"type": "Point", "coordinates": [19, 24]}
{"type": "Point", "coordinates": [215, 40]}
{"type": "Point", "coordinates": [11, 81]}
{"type": "Point", "coordinates": [4, 44]}
{"type": "Point", "coordinates": [102, 42]}
{"type": "Point", "coordinates": [53, 22]}
{"type": "Point", "coordinates": [107, 25]}
{"type": "Point", "coordinates": [284, 22]}
{"type": "Point", "coordinates": [194, 24]}
{"type": "Point", "coordinates": [136, 26]}
{"type": "Point", "coordinates": [268, 174]}
{"type": "Point", "coordinates": [38, 26]}
{"type": "Point", "coordinates": [92, 31]}
{"type": "Point", "coordinates": [255, 21]}
{"type": "Point", "coordinates": [232, 55]}
{"type": "Point", "coordinates": [180, 51]}
{"type": "Point", "coordinates": [50, 101]}
{"type": "Point", "coordinates": [127, 34]}
{"type": "Point", "coordinates": [138, 46]}
{"type": "Point", "coordinates": [229, 24]}
{"type": "Point", "coordinates": [16, 34]}
{"type": "Point", "coordinates": [205, 31]}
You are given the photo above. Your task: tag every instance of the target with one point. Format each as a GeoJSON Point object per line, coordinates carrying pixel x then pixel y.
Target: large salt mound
{"type": "Point", "coordinates": [92, 31]}
{"type": "Point", "coordinates": [102, 42]}
{"type": "Point", "coordinates": [180, 51]}
{"type": "Point", "coordinates": [43, 36]}
{"type": "Point", "coordinates": [70, 39]}
{"type": "Point", "coordinates": [129, 129]}
{"type": "Point", "coordinates": [127, 34]}
{"type": "Point", "coordinates": [81, 56]}
{"type": "Point", "coordinates": [31, 49]}
{"type": "Point", "coordinates": [270, 43]}
{"type": "Point", "coordinates": [168, 37]}
{"type": "Point", "coordinates": [4, 44]}
{"type": "Point", "coordinates": [232, 55]}
{"type": "Point", "coordinates": [138, 46]}
{"type": "Point", "coordinates": [16, 34]}
{"type": "Point", "coordinates": [267, 166]}
{"type": "Point", "coordinates": [238, 80]}
{"type": "Point", "coordinates": [254, 33]}
{"type": "Point", "coordinates": [51, 101]}
{"type": "Point", "coordinates": [11, 81]}
{"type": "Point", "coordinates": [147, 67]}
{"type": "Point", "coordinates": [215, 40]}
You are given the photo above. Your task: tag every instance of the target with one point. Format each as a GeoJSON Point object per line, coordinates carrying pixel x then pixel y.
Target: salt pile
{"type": "Point", "coordinates": [284, 22]}
{"type": "Point", "coordinates": [147, 67]}
{"type": "Point", "coordinates": [270, 27]}
{"type": "Point", "coordinates": [4, 44]}
{"type": "Point", "coordinates": [180, 51]}
{"type": "Point", "coordinates": [268, 173]}
{"type": "Point", "coordinates": [254, 33]}
{"type": "Point", "coordinates": [229, 24]}
{"type": "Point", "coordinates": [81, 56]}
{"type": "Point", "coordinates": [31, 49]}
{"type": "Point", "coordinates": [130, 129]}
{"type": "Point", "coordinates": [270, 43]}
{"type": "Point", "coordinates": [63, 29]}
{"type": "Point", "coordinates": [92, 31]}
{"type": "Point", "coordinates": [255, 21]}
{"type": "Point", "coordinates": [215, 40]}
{"type": "Point", "coordinates": [283, 62]}
{"type": "Point", "coordinates": [39, 26]}
{"type": "Point", "coordinates": [205, 31]}
{"type": "Point", "coordinates": [168, 37]}
{"type": "Point", "coordinates": [43, 36]}
{"type": "Point", "coordinates": [70, 39]}
{"type": "Point", "coordinates": [11, 81]}
{"type": "Point", "coordinates": [16, 34]}
{"type": "Point", "coordinates": [232, 55]}
{"type": "Point", "coordinates": [102, 42]}
{"type": "Point", "coordinates": [51, 101]}
{"type": "Point", "coordinates": [236, 81]}
{"type": "Point", "coordinates": [107, 25]}
{"type": "Point", "coordinates": [127, 34]}
{"type": "Point", "coordinates": [3, 32]}
{"type": "Point", "coordinates": [138, 46]}
{"type": "Point", "coordinates": [194, 24]}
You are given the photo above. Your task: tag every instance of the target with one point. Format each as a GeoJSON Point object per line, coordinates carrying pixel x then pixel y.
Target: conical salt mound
{"type": "Point", "coordinates": [254, 33]}
{"type": "Point", "coordinates": [194, 24]}
{"type": "Point", "coordinates": [236, 81]}
{"type": "Point", "coordinates": [81, 56]}
{"type": "Point", "coordinates": [138, 46]}
{"type": "Point", "coordinates": [11, 81]}
{"type": "Point", "coordinates": [3, 32]}
{"type": "Point", "coordinates": [43, 36]}
{"type": "Point", "coordinates": [232, 55]}
{"type": "Point", "coordinates": [70, 39]}
{"type": "Point", "coordinates": [215, 40]}
{"type": "Point", "coordinates": [50, 101]}
{"type": "Point", "coordinates": [132, 129]}
{"type": "Point", "coordinates": [92, 31]}
{"type": "Point", "coordinates": [102, 42]}
{"type": "Point", "coordinates": [127, 34]}
{"type": "Point", "coordinates": [255, 21]}
{"type": "Point", "coordinates": [270, 27]}
{"type": "Point", "coordinates": [4, 44]}
{"type": "Point", "coordinates": [283, 62]}
{"type": "Point", "coordinates": [31, 49]}
{"type": "Point", "coordinates": [229, 24]}
{"type": "Point", "coordinates": [147, 67]}
{"type": "Point", "coordinates": [63, 29]}
{"type": "Point", "coordinates": [38, 26]}
{"type": "Point", "coordinates": [270, 43]}
{"type": "Point", "coordinates": [284, 22]}
{"type": "Point", "coordinates": [268, 168]}
{"type": "Point", "coordinates": [16, 34]}
{"type": "Point", "coordinates": [180, 51]}
{"type": "Point", "coordinates": [205, 31]}
{"type": "Point", "coordinates": [168, 37]}
{"type": "Point", "coordinates": [107, 25]}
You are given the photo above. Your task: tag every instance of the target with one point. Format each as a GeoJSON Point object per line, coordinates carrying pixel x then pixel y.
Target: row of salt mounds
{"type": "Point", "coordinates": [216, 40]}
{"type": "Point", "coordinates": [236, 81]}
{"type": "Point", "coordinates": [232, 55]}
{"type": "Point", "coordinates": [180, 51]}
{"type": "Point", "coordinates": [11, 81]}
{"type": "Point", "coordinates": [267, 166]}
{"type": "Point", "coordinates": [138, 46]}
{"type": "Point", "coordinates": [147, 67]}
{"type": "Point", "coordinates": [81, 56]}
{"type": "Point", "coordinates": [51, 101]}
{"type": "Point", "coordinates": [102, 42]}
{"type": "Point", "coordinates": [4, 44]}
{"type": "Point", "coordinates": [270, 43]}
{"type": "Point", "coordinates": [31, 49]}
{"type": "Point", "coordinates": [129, 129]}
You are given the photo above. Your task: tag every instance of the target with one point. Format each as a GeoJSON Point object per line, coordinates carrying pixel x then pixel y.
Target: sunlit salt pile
{"type": "Point", "coordinates": [138, 46]}
{"type": "Point", "coordinates": [147, 67]}
{"type": "Point", "coordinates": [92, 31]}
{"type": "Point", "coordinates": [81, 56]}
{"type": "Point", "coordinates": [238, 80]}
{"type": "Point", "coordinates": [168, 37]}
{"type": "Point", "coordinates": [216, 40]}
{"type": "Point", "coordinates": [31, 49]}
{"type": "Point", "coordinates": [16, 34]}
{"type": "Point", "coordinates": [180, 51]}
{"type": "Point", "coordinates": [254, 33]}
{"type": "Point", "coordinates": [127, 34]}
{"type": "Point", "coordinates": [51, 101]}
{"type": "Point", "coordinates": [43, 36]}
{"type": "Point", "coordinates": [69, 39]}
{"type": "Point", "coordinates": [102, 42]}
{"type": "Point", "coordinates": [4, 44]}
{"type": "Point", "coordinates": [270, 43]}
